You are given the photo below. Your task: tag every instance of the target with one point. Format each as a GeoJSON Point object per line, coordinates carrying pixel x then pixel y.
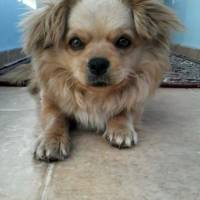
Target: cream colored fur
{"type": "Point", "coordinates": [60, 73]}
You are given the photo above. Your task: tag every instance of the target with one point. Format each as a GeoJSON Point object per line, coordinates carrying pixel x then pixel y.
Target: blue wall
{"type": "Point", "coordinates": [189, 13]}
{"type": "Point", "coordinates": [10, 12]}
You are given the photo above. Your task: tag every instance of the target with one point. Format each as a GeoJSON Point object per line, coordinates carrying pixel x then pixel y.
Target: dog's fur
{"type": "Point", "coordinates": [60, 74]}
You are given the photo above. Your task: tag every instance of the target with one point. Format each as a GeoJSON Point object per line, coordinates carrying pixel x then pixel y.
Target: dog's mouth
{"type": "Point", "coordinates": [95, 81]}
{"type": "Point", "coordinates": [99, 84]}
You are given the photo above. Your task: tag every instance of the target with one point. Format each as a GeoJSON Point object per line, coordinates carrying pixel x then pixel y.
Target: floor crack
{"type": "Point", "coordinates": [48, 179]}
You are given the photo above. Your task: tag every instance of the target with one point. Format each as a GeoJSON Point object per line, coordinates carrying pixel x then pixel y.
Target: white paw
{"type": "Point", "coordinates": [50, 149]}
{"type": "Point", "coordinates": [121, 138]}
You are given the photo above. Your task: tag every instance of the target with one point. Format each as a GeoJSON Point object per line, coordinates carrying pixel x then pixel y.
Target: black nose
{"type": "Point", "coordinates": [98, 66]}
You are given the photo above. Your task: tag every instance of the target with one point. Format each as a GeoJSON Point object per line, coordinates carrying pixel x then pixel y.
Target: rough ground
{"type": "Point", "coordinates": [165, 165]}
{"type": "Point", "coordinates": [184, 73]}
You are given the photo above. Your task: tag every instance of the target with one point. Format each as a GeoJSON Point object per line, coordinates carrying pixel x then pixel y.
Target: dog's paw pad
{"type": "Point", "coordinates": [50, 150]}
{"type": "Point", "coordinates": [121, 139]}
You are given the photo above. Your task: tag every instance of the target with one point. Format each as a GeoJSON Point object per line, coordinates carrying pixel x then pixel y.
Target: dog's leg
{"type": "Point", "coordinates": [120, 131]}
{"type": "Point", "coordinates": [137, 116]}
{"type": "Point", "coordinates": [53, 143]}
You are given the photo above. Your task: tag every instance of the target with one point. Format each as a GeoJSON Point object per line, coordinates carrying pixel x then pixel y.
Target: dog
{"type": "Point", "coordinates": [95, 62]}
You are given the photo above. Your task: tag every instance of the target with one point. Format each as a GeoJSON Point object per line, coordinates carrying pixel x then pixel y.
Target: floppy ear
{"type": "Point", "coordinates": [45, 26]}
{"type": "Point", "coordinates": [153, 20]}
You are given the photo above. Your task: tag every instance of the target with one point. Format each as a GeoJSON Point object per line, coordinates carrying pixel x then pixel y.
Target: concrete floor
{"type": "Point", "coordinates": [164, 166]}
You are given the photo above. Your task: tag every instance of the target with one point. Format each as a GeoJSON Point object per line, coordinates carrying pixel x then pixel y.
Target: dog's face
{"type": "Point", "coordinates": [102, 40]}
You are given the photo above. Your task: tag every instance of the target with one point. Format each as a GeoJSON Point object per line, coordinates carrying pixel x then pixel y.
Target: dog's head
{"type": "Point", "coordinates": [100, 41]}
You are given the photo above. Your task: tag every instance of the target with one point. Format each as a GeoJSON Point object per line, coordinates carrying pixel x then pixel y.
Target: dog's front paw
{"type": "Point", "coordinates": [50, 149]}
{"type": "Point", "coordinates": [121, 138]}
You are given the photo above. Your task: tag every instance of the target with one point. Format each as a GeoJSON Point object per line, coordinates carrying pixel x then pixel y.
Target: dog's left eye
{"type": "Point", "coordinates": [123, 42]}
{"type": "Point", "coordinates": [76, 44]}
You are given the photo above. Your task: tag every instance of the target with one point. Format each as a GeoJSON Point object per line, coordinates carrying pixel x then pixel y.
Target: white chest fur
{"type": "Point", "coordinates": [94, 120]}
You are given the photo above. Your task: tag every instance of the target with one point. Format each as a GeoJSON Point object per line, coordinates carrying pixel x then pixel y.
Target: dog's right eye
{"type": "Point", "coordinates": [76, 44]}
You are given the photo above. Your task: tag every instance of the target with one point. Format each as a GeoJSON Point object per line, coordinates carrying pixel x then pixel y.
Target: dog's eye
{"type": "Point", "coordinates": [76, 44]}
{"type": "Point", "coordinates": [123, 43]}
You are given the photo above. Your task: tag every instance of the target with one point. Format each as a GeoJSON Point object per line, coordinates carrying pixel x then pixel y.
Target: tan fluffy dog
{"type": "Point", "coordinates": [95, 62]}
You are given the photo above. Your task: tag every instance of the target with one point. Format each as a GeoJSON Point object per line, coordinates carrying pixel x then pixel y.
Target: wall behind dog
{"type": "Point", "coordinates": [188, 12]}
{"type": "Point", "coordinates": [10, 13]}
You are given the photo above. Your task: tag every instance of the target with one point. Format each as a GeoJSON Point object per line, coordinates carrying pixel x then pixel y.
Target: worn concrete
{"type": "Point", "coordinates": [164, 166]}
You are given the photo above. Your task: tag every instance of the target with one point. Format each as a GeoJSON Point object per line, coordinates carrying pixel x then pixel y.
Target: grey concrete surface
{"type": "Point", "coordinates": [165, 165]}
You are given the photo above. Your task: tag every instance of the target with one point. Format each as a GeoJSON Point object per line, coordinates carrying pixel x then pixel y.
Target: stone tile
{"type": "Point", "coordinates": [21, 178]}
{"type": "Point", "coordinates": [165, 164]}
{"type": "Point", "coordinates": [15, 99]}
